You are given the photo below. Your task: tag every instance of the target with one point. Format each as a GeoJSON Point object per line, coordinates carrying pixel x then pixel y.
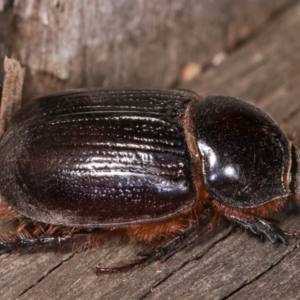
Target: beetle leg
{"type": "Point", "coordinates": [15, 241]}
{"type": "Point", "coordinates": [254, 220]}
{"type": "Point", "coordinates": [258, 225]}
{"type": "Point", "coordinates": [32, 235]}
{"type": "Point", "coordinates": [187, 236]}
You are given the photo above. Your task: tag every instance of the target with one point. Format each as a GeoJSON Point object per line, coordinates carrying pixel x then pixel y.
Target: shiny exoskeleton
{"type": "Point", "coordinates": [154, 162]}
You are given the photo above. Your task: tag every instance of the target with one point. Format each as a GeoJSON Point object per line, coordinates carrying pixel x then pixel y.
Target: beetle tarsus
{"type": "Point", "coordinates": [293, 233]}
{"type": "Point", "coordinates": [273, 232]}
{"type": "Point", "coordinates": [261, 226]}
{"type": "Point", "coordinates": [157, 255]}
{"type": "Point", "coordinates": [18, 243]}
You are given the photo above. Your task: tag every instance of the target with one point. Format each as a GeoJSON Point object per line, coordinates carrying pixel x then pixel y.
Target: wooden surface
{"type": "Point", "coordinates": [68, 44]}
{"type": "Point", "coordinates": [266, 71]}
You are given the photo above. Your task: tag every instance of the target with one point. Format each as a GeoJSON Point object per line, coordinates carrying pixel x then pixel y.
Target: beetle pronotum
{"type": "Point", "coordinates": [155, 163]}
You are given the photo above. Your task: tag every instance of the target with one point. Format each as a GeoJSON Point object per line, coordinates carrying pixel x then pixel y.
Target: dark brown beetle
{"type": "Point", "coordinates": [156, 163]}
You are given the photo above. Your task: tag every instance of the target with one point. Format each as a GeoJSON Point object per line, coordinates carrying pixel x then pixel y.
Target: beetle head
{"type": "Point", "coordinates": [247, 160]}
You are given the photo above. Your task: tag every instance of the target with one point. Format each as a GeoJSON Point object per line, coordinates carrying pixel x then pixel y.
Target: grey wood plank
{"type": "Point", "coordinates": [281, 281]}
{"type": "Point", "coordinates": [76, 278]}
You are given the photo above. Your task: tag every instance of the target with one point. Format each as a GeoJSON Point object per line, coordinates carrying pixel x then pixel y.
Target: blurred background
{"type": "Point", "coordinates": [68, 44]}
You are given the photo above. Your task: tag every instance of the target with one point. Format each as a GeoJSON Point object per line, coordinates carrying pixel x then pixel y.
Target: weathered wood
{"type": "Point", "coordinates": [266, 70]}
{"type": "Point", "coordinates": [228, 266]}
{"type": "Point", "coordinates": [67, 44]}
{"type": "Point", "coordinates": [280, 281]}
{"type": "Point", "coordinates": [11, 92]}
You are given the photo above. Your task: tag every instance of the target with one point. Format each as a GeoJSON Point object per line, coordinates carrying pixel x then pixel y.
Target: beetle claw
{"type": "Point", "coordinates": [149, 258]}
{"type": "Point", "coordinates": [276, 236]}
{"type": "Point", "coordinates": [273, 232]}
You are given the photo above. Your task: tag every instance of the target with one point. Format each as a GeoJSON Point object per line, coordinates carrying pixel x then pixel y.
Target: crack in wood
{"type": "Point", "coordinates": [262, 273]}
{"type": "Point", "coordinates": [228, 233]}
{"type": "Point", "coordinates": [48, 273]}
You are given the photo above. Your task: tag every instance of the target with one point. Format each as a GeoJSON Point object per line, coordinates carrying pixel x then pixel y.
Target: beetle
{"type": "Point", "coordinates": [161, 165]}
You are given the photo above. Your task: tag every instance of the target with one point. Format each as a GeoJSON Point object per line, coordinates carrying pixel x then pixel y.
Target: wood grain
{"type": "Point", "coordinates": [266, 71]}
{"type": "Point", "coordinates": [67, 44]}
